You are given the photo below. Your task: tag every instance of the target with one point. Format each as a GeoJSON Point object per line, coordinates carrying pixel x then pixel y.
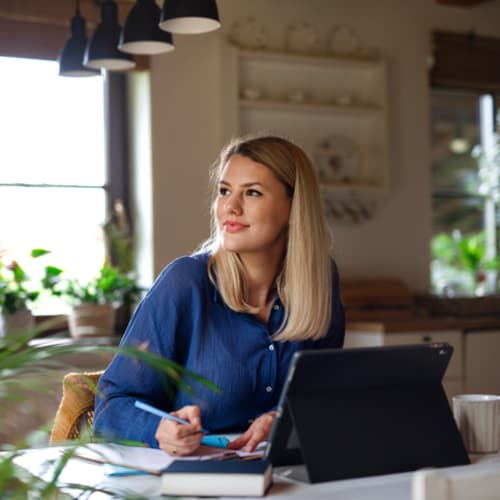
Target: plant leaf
{"type": "Point", "coordinates": [38, 252]}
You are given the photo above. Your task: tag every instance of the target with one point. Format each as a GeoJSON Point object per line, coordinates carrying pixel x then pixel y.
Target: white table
{"type": "Point", "coordinates": [388, 487]}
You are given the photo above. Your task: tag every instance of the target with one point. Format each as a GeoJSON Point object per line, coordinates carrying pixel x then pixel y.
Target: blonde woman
{"type": "Point", "coordinates": [262, 287]}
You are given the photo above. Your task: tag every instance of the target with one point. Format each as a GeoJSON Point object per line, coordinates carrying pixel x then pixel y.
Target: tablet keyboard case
{"type": "Point", "coordinates": [369, 411]}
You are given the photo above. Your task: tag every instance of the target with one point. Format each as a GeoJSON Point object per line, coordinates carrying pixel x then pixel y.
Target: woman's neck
{"type": "Point", "coordinates": [261, 279]}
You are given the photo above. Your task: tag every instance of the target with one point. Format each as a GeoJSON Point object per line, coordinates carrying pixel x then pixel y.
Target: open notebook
{"type": "Point", "coordinates": [124, 460]}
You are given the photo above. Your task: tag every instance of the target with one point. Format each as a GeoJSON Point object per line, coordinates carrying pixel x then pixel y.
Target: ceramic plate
{"type": "Point", "coordinates": [348, 211]}
{"type": "Point", "coordinates": [337, 160]}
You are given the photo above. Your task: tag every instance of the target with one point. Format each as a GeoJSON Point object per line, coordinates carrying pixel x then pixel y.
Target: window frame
{"type": "Point", "coordinates": [116, 141]}
{"type": "Point", "coordinates": [43, 39]}
{"type": "Point", "coordinates": [115, 184]}
{"type": "Point", "coordinates": [116, 176]}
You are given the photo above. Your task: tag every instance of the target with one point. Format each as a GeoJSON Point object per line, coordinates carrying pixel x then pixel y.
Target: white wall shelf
{"type": "Point", "coordinates": [281, 57]}
{"type": "Point", "coordinates": [317, 101]}
{"type": "Point", "coordinates": [311, 107]}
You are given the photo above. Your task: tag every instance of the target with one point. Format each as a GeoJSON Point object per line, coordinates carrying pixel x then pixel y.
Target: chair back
{"type": "Point", "coordinates": [76, 409]}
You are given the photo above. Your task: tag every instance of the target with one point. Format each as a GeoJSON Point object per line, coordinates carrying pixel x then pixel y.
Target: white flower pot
{"type": "Point", "coordinates": [92, 320]}
{"type": "Point", "coordinates": [18, 322]}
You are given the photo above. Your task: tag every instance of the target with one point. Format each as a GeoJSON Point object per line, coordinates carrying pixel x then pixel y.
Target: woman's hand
{"type": "Point", "coordinates": [179, 439]}
{"type": "Point", "coordinates": [258, 431]}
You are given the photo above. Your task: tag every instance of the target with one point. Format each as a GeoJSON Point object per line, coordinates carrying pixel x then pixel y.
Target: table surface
{"type": "Point", "coordinates": [387, 487]}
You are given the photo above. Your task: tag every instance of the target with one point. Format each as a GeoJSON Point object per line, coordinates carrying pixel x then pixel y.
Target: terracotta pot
{"type": "Point", "coordinates": [92, 320]}
{"type": "Point", "coordinates": [18, 322]}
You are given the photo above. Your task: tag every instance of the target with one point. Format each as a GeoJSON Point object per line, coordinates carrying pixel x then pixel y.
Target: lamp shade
{"type": "Point", "coordinates": [141, 33]}
{"type": "Point", "coordinates": [189, 16]}
{"type": "Point", "coordinates": [71, 56]}
{"type": "Point", "coordinates": [102, 50]}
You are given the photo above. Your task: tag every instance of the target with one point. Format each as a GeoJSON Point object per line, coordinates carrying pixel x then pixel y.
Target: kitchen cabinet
{"type": "Point", "coordinates": [482, 361]}
{"type": "Point", "coordinates": [453, 381]}
{"type": "Point", "coordinates": [335, 108]}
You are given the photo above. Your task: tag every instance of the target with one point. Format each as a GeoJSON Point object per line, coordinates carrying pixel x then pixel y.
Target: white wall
{"type": "Point", "coordinates": [186, 138]}
{"type": "Point", "coordinates": [187, 126]}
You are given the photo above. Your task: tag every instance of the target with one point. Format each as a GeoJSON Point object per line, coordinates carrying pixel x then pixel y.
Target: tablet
{"type": "Point", "coordinates": [366, 411]}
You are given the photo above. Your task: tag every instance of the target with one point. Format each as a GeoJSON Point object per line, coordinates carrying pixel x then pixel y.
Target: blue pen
{"type": "Point", "coordinates": [217, 441]}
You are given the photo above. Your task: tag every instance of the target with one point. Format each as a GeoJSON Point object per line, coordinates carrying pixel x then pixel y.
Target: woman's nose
{"type": "Point", "coordinates": [233, 205]}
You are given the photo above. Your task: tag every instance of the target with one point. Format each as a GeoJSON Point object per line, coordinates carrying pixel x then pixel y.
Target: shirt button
{"type": "Point", "coordinates": [276, 307]}
{"type": "Point", "coordinates": [269, 388]}
{"type": "Point", "coordinates": [271, 347]}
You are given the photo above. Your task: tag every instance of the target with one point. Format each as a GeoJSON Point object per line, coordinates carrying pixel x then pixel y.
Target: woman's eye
{"type": "Point", "coordinates": [253, 192]}
{"type": "Point", "coordinates": [223, 191]}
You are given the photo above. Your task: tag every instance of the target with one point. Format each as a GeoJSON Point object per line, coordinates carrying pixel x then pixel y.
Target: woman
{"type": "Point", "coordinates": [262, 287]}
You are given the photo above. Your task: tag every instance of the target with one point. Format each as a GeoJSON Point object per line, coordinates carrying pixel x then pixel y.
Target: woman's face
{"type": "Point", "coordinates": [252, 208]}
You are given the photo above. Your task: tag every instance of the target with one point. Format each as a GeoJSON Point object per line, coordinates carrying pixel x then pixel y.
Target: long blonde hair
{"type": "Point", "coordinates": [304, 282]}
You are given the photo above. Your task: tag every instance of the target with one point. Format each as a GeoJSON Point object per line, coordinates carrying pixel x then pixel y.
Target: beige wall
{"type": "Point", "coordinates": [187, 126]}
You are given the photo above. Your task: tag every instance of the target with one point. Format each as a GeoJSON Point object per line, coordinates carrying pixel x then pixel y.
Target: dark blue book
{"type": "Point", "coordinates": [217, 478]}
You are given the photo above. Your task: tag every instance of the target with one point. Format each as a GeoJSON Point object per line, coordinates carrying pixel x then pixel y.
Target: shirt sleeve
{"type": "Point", "coordinates": [153, 328]}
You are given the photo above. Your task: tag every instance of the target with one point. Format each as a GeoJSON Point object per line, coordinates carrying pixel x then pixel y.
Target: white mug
{"type": "Point", "coordinates": [478, 419]}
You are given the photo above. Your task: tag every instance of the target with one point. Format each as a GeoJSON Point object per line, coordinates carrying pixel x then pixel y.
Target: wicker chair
{"type": "Point", "coordinates": [76, 409]}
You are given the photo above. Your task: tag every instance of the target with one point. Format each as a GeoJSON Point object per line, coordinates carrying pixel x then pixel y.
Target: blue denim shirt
{"type": "Point", "coordinates": [184, 318]}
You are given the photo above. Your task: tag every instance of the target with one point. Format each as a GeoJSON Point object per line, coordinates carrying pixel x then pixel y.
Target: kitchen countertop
{"type": "Point", "coordinates": [424, 323]}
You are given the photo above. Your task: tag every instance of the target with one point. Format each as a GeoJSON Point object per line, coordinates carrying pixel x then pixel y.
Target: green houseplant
{"type": "Point", "coordinates": [462, 258]}
{"type": "Point", "coordinates": [17, 293]}
{"type": "Point", "coordinates": [25, 364]}
{"type": "Point", "coordinates": [93, 302]}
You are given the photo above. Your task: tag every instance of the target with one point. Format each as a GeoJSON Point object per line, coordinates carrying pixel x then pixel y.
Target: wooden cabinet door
{"type": "Point", "coordinates": [482, 362]}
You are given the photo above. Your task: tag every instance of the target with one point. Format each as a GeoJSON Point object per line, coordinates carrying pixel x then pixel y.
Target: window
{"type": "Point", "coordinates": [465, 82]}
{"type": "Point", "coordinates": [465, 218]}
{"type": "Point", "coordinates": [53, 185]}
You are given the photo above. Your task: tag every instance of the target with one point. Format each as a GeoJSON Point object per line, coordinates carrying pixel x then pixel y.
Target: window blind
{"type": "Point", "coordinates": [465, 61]}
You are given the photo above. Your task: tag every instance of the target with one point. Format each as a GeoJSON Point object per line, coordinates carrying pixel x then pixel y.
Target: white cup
{"type": "Point", "coordinates": [478, 419]}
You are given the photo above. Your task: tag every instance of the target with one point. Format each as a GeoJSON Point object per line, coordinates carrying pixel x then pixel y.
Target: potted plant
{"type": "Point", "coordinates": [17, 294]}
{"type": "Point", "coordinates": [93, 302]}
{"type": "Point", "coordinates": [25, 364]}
{"type": "Point", "coordinates": [459, 253]}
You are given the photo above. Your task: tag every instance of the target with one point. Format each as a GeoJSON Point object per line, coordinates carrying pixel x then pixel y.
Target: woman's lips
{"type": "Point", "coordinates": [233, 227]}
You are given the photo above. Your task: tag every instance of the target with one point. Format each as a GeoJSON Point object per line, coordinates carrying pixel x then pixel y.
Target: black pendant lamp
{"type": "Point", "coordinates": [102, 51]}
{"type": "Point", "coordinates": [189, 16]}
{"type": "Point", "coordinates": [71, 56]}
{"type": "Point", "coordinates": [141, 33]}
